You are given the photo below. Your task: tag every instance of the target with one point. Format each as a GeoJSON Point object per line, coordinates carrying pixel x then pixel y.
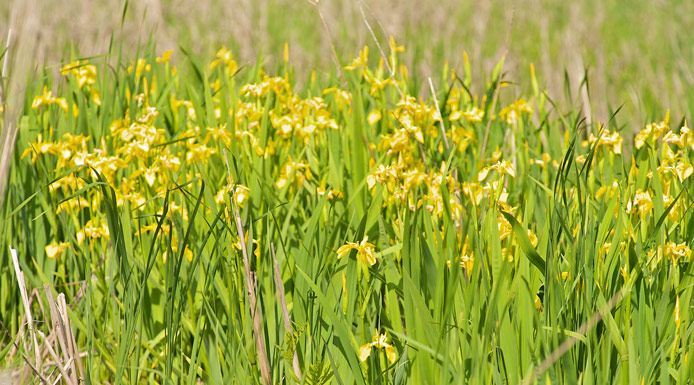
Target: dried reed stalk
{"type": "Point", "coordinates": [251, 291]}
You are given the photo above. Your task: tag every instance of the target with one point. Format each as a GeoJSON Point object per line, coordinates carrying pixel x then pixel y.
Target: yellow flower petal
{"type": "Point", "coordinates": [374, 117]}
{"type": "Point", "coordinates": [364, 352]}
{"type": "Point", "coordinates": [483, 174]}
{"type": "Point", "coordinates": [343, 250]}
{"type": "Point", "coordinates": [55, 249]}
{"type": "Point", "coordinates": [390, 353]}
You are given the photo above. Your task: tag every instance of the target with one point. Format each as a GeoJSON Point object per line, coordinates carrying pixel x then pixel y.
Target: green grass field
{"type": "Point", "coordinates": [194, 216]}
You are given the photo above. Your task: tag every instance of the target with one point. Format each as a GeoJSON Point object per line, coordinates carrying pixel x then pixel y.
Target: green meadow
{"type": "Point", "coordinates": [430, 201]}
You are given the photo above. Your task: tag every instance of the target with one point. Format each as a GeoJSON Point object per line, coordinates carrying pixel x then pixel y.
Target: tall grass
{"type": "Point", "coordinates": [645, 69]}
{"type": "Point", "coordinates": [558, 254]}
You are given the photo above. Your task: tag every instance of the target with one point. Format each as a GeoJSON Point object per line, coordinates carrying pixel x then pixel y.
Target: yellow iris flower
{"type": "Point", "coordinates": [365, 251]}
{"type": "Point", "coordinates": [56, 248]}
{"type": "Point", "coordinates": [378, 341]}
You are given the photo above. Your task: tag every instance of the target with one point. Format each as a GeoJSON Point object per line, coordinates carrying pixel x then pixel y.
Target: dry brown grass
{"type": "Point", "coordinates": [48, 358]}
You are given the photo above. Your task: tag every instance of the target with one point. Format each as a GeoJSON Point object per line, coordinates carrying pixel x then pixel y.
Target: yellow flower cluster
{"type": "Point", "coordinates": [396, 158]}
{"type": "Point", "coordinates": [166, 136]}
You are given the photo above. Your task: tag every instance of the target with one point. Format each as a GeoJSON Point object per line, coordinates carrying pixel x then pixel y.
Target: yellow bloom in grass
{"type": "Point", "coordinates": [341, 97]}
{"type": "Point", "coordinates": [139, 68]}
{"type": "Point", "coordinates": [538, 304]}
{"type": "Point", "coordinates": [240, 194]}
{"type": "Point", "coordinates": [40, 147]}
{"type": "Point", "coordinates": [56, 248]}
{"type": "Point", "coordinates": [47, 99]}
{"type": "Point", "coordinates": [83, 72]}
{"type": "Point", "coordinates": [467, 259]}
{"type": "Point", "coordinates": [186, 253]}
{"type": "Point", "coordinates": [224, 56]}
{"type": "Point", "coordinates": [642, 202]}
{"type": "Point", "coordinates": [532, 237]}
{"type": "Point", "coordinates": [374, 117]}
{"type": "Point", "coordinates": [685, 139]}
{"type": "Point", "coordinates": [652, 131]}
{"type": "Point", "coordinates": [365, 251]}
{"type": "Point", "coordinates": [378, 341]}
{"type": "Point", "coordinates": [378, 84]}
{"type": "Point", "coordinates": [255, 245]}
{"type": "Point", "coordinates": [399, 141]}
{"type": "Point", "coordinates": [613, 141]}
{"type": "Point", "coordinates": [71, 204]}
{"type": "Point", "coordinates": [502, 167]}
{"type": "Point", "coordinates": [164, 57]}
{"type": "Point", "coordinates": [150, 228]}
{"type": "Point", "coordinates": [285, 54]}
{"type": "Point", "coordinates": [683, 170]}
{"type": "Point", "coordinates": [199, 153]}
{"type": "Point", "coordinates": [512, 112]}
{"type": "Point", "coordinates": [675, 251]}
{"type": "Point", "coordinates": [169, 162]}
{"type": "Point", "coordinates": [472, 115]}
{"type": "Point", "coordinates": [504, 227]}
{"type": "Point", "coordinates": [332, 194]}
{"type": "Point", "coordinates": [294, 172]}
{"type": "Point", "coordinates": [92, 231]}
{"type": "Point", "coordinates": [359, 60]}
{"type": "Point", "coordinates": [394, 48]}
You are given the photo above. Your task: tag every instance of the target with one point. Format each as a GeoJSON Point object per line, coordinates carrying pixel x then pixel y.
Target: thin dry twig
{"type": "Point", "coordinates": [391, 70]}
{"type": "Point", "coordinates": [72, 351]}
{"type": "Point", "coordinates": [316, 3]}
{"type": "Point", "coordinates": [251, 291]}
{"type": "Point", "coordinates": [285, 312]}
{"type": "Point", "coordinates": [56, 321]}
{"type": "Point", "coordinates": [27, 307]}
{"type": "Point", "coordinates": [15, 348]}
{"type": "Point", "coordinates": [63, 371]}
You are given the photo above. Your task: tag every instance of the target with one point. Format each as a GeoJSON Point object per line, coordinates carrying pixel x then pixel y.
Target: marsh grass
{"type": "Point", "coordinates": [562, 283]}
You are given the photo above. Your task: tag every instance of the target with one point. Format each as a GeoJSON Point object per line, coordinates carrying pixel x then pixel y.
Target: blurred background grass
{"type": "Point", "coordinates": [638, 53]}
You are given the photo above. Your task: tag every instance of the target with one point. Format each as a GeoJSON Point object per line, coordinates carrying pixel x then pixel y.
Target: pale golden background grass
{"type": "Point", "coordinates": [638, 53]}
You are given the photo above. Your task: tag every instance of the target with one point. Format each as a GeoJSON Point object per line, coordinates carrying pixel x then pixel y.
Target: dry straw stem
{"type": "Point", "coordinates": [251, 291]}
{"type": "Point", "coordinates": [391, 70]}
{"type": "Point", "coordinates": [64, 366]}
{"type": "Point", "coordinates": [62, 371]}
{"type": "Point", "coordinates": [62, 331]}
{"type": "Point", "coordinates": [285, 312]}
{"type": "Point", "coordinates": [316, 3]}
{"type": "Point", "coordinates": [27, 308]}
